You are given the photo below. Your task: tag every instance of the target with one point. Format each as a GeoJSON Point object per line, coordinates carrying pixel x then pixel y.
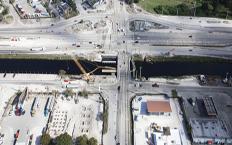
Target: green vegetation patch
{"type": "Point", "coordinates": [184, 58]}
{"type": "Point", "coordinates": [213, 8]}
{"type": "Point", "coordinates": [38, 56]}
{"type": "Point", "coordinates": [9, 17]}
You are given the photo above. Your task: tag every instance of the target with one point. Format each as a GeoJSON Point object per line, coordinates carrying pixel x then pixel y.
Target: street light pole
{"type": "Point", "coordinates": [140, 72]}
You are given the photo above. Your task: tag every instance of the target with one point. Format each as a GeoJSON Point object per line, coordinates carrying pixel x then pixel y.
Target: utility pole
{"type": "Point", "coordinates": [136, 74]}
{"type": "Point", "coordinates": [227, 15]}
{"type": "Point", "coordinates": [195, 11]}
{"type": "Point", "coordinates": [177, 12]}
{"type": "Point", "coordinates": [140, 72]}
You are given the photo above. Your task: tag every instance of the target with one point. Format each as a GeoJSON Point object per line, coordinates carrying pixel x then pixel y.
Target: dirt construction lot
{"type": "Point", "coordinates": [77, 119]}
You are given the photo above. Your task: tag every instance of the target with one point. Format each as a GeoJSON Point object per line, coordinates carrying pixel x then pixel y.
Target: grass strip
{"type": "Point", "coordinates": [38, 56]}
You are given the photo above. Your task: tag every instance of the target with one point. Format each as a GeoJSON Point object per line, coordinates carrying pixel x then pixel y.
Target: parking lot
{"type": "Point", "coordinates": [199, 111]}
{"type": "Point", "coordinates": [35, 124]}
{"type": "Point", "coordinates": [28, 9]}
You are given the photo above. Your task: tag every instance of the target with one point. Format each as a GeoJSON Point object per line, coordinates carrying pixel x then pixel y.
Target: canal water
{"type": "Point", "coordinates": [49, 66]}
{"type": "Point", "coordinates": [182, 68]}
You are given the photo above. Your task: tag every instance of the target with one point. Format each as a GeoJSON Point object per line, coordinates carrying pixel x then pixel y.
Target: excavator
{"type": "Point", "coordinates": [168, 54]}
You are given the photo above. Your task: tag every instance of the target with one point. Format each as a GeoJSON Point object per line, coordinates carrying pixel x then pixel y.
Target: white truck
{"type": "Point", "coordinates": [72, 86]}
{"type": "Point", "coordinates": [38, 49]}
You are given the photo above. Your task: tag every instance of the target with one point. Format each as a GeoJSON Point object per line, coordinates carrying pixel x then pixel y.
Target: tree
{"type": "Point", "coordinates": [55, 1]}
{"type": "Point", "coordinates": [81, 21]}
{"type": "Point", "coordinates": [1, 17]}
{"type": "Point", "coordinates": [84, 93]}
{"type": "Point", "coordinates": [68, 92]}
{"type": "Point", "coordinates": [45, 139]}
{"type": "Point", "coordinates": [6, 10]}
{"type": "Point", "coordinates": [11, 1]}
{"type": "Point", "coordinates": [174, 93]}
{"type": "Point", "coordinates": [64, 139]}
{"type": "Point", "coordinates": [103, 117]}
{"type": "Point", "coordinates": [46, 4]}
{"type": "Point", "coordinates": [83, 140]}
{"type": "Point", "coordinates": [62, 72]}
{"type": "Point", "coordinates": [92, 141]}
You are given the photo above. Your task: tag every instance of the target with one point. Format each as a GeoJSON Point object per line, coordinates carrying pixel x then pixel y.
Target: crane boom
{"type": "Point", "coordinates": [79, 65]}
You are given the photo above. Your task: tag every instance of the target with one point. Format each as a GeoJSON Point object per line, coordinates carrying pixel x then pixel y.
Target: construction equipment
{"type": "Point", "coordinates": [79, 65]}
{"type": "Point", "coordinates": [99, 47]}
{"type": "Point", "coordinates": [168, 54]}
{"type": "Point", "coordinates": [155, 126]}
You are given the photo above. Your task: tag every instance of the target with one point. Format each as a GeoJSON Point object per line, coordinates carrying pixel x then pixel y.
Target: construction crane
{"type": "Point", "coordinates": [168, 54]}
{"type": "Point", "coordinates": [79, 65]}
{"type": "Point", "coordinates": [99, 47]}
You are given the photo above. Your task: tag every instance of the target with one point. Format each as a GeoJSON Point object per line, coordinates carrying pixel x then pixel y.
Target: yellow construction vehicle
{"type": "Point", "coordinates": [79, 65]}
{"type": "Point", "coordinates": [99, 47]}
{"type": "Point", "coordinates": [168, 54]}
{"type": "Point", "coordinates": [155, 126]}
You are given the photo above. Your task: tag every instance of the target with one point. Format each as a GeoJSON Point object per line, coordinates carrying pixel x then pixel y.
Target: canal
{"type": "Point", "coordinates": [49, 66]}
{"type": "Point", "coordinates": [181, 68]}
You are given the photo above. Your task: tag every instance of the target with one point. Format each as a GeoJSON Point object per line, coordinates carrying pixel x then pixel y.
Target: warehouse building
{"type": "Point", "coordinates": [159, 107]}
{"type": "Point", "coordinates": [210, 131]}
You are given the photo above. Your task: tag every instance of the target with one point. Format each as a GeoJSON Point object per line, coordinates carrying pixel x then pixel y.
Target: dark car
{"type": "Point", "coordinates": [78, 46]}
{"type": "Point", "coordinates": [140, 98]}
{"type": "Point", "coordinates": [118, 88]}
{"type": "Point", "coordinates": [190, 36]}
{"type": "Point", "coordinates": [116, 137]}
{"type": "Point", "coordinates": [52, 24]}
{"type": "Point", "coordinates": [75, 21]}
{"type": "Point", "coordinates": [190, 50]}
{"type": "Point", "coordinates": [74, 44]}
{"type": "Point", "coordinates": [191, 101]}
{"type": "Point", "coordinates": [124, 41]}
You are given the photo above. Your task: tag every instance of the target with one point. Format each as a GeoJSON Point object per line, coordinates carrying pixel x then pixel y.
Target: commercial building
{"type": "Point", "coordinates": [210, 131]}
{"type": "Point", "coordinates": [167, 137]}
{"type": "Point", "coordinates": [65, 8]}
{"type": "Point", "coordinates": [159, 107]}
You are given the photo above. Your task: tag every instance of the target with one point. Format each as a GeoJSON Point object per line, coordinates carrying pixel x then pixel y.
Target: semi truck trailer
{"type": "Point", "coordinates": [38, 49]}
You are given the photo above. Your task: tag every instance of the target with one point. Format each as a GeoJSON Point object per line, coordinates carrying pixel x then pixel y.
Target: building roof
{"type": "Point", "coordinates": [209, 128]}
{"type": "Point", "coordinates": [158, 106]}
{"type": "Point", "coordinates": [166, 130]}
{"type": "Point", "coordinates": [173, 139]}
{"type": "Point", "coordinates": [209, 105]}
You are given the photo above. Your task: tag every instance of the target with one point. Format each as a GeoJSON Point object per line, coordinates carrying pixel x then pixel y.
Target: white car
{"type": "Point", "coordinates": [193, 38]}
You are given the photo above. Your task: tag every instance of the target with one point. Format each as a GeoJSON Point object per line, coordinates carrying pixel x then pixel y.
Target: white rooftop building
{"type": "Point", "coordinates": [210, 131]}
{"type": "Point", "coordinates": [167, 137]}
